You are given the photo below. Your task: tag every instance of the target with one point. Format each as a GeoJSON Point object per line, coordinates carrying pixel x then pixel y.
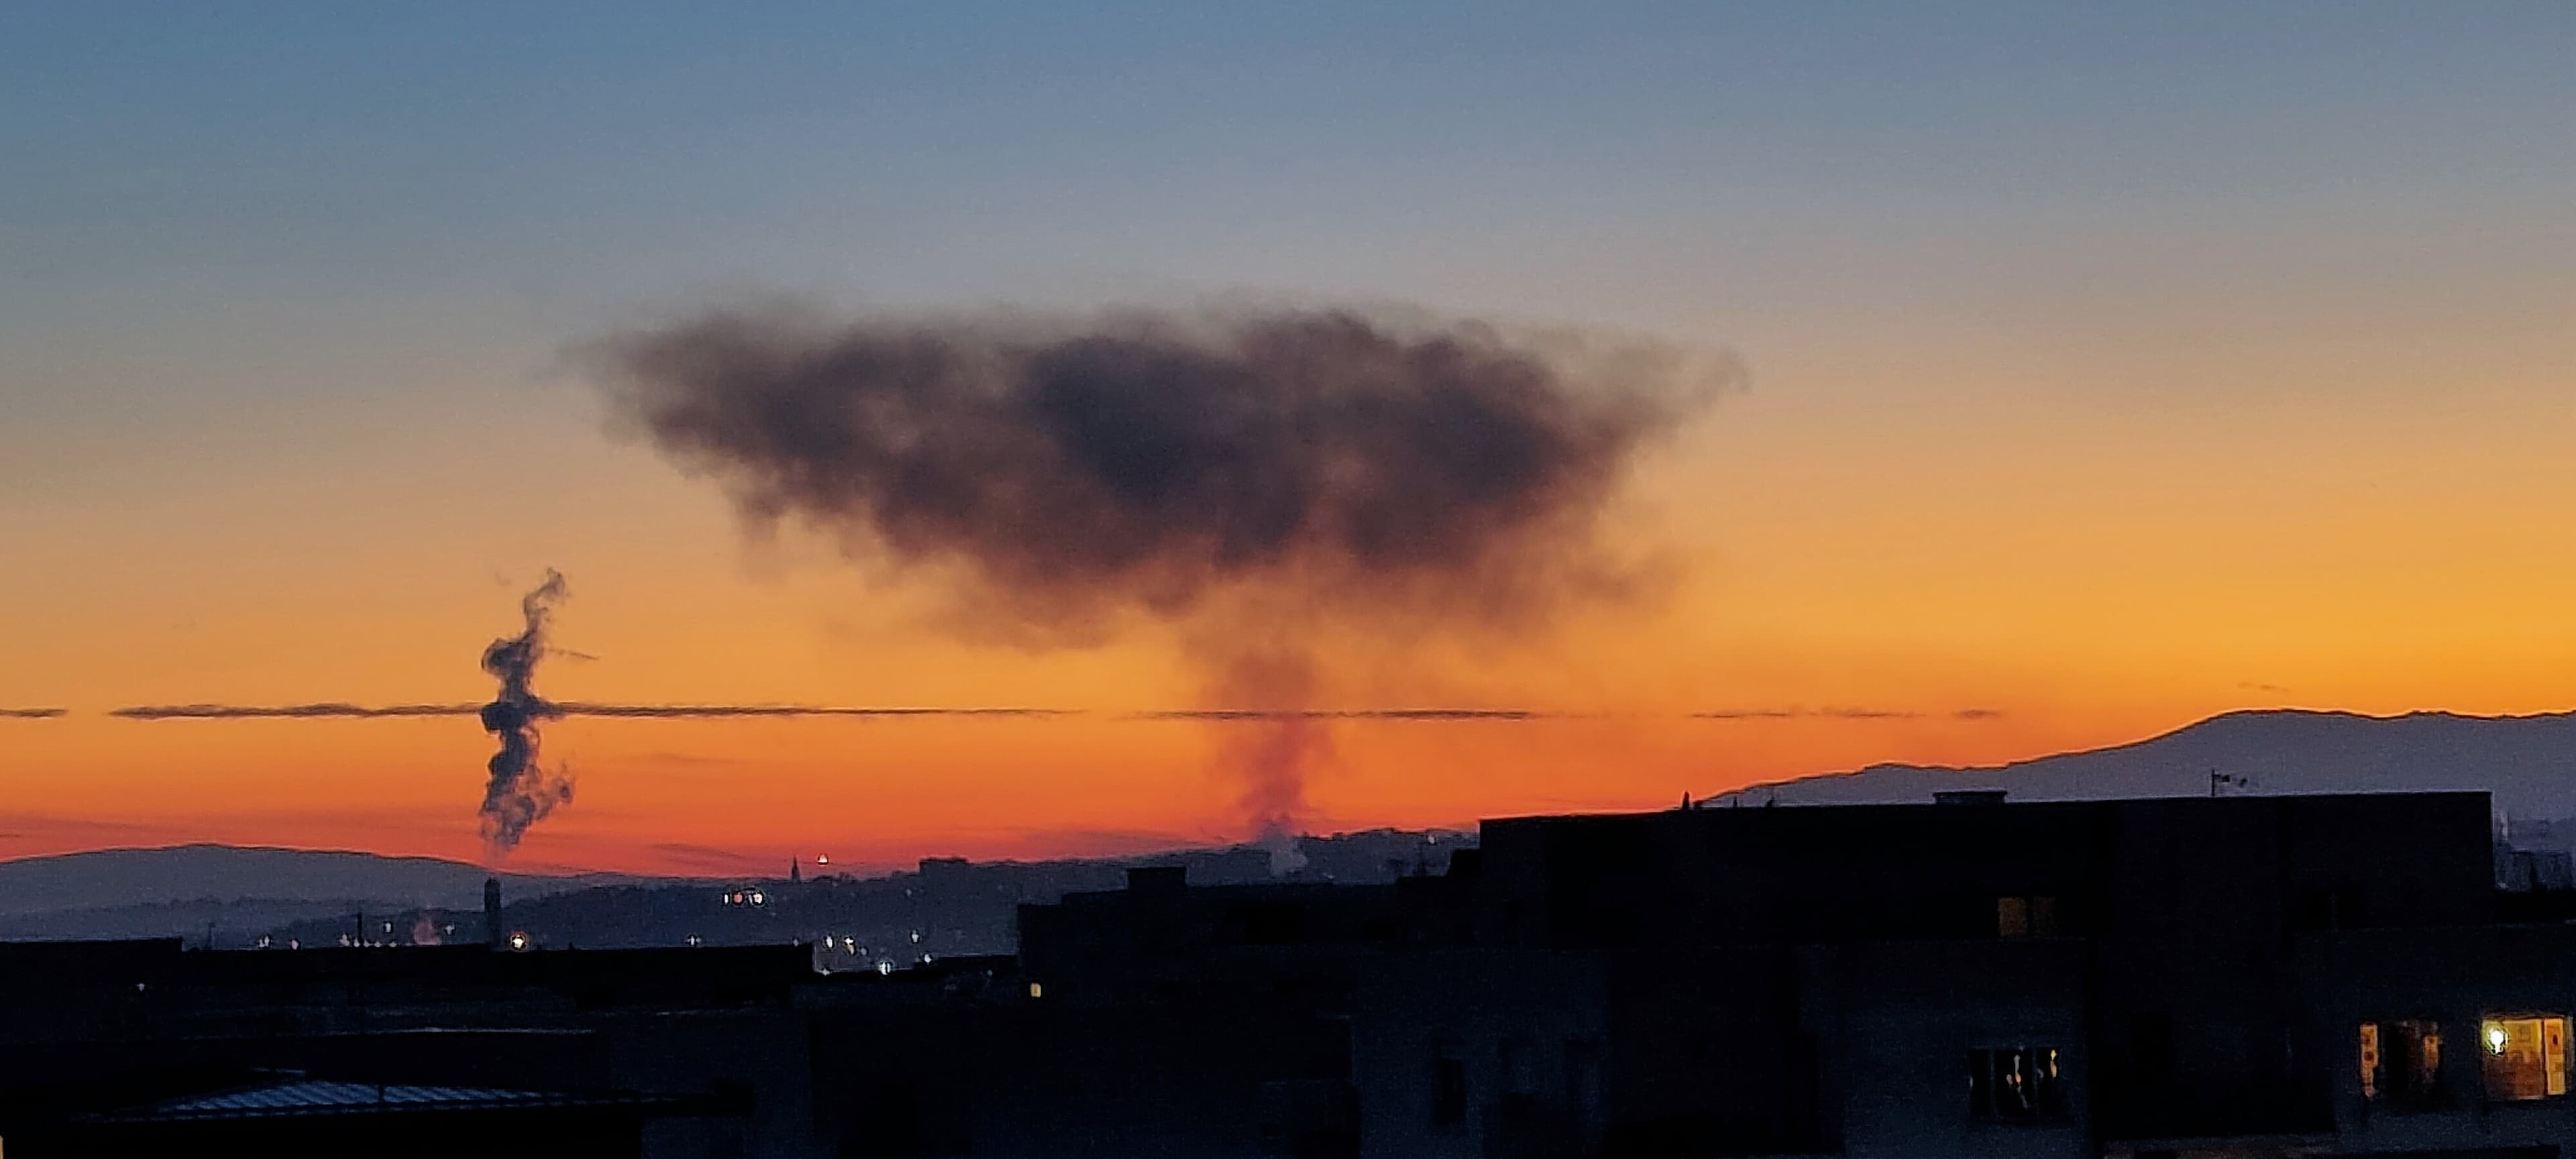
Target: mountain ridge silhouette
{"type": "Point", "coordinates": [2527, 761]}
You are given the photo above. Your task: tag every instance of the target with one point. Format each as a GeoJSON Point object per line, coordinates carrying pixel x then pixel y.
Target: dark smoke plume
{"type": "Point", "coordinates": [29, 713]}
{"type": "Point", "coordinates": [1247, 479]}
{"type": "Point", "coordinates": [1273, 761]}
{"type": "Point", "coordinates": [521, 791]}
{"type": "Point", "coordinates": [1150, 462]}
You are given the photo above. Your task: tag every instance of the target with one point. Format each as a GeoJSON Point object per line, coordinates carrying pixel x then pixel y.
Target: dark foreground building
{"type": "Point", "coordinates": [303, 1116]}
{"type": "Point", "coordinates": [2239, 977]}
{"type": "Point", "coordinates": [114, 1048]}
{"type": "Point", "coordinates": [1966, 978]}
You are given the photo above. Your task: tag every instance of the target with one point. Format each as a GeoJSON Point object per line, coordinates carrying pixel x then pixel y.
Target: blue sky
{"type": "Point", "coordinates": [575, 159]}
{"type": "Point", "coordinates": [224, 221]}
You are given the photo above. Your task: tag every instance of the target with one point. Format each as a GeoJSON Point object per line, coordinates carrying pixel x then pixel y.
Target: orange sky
{"type": "Point", "coordinates": [2106, 371]}
{"type": "Point", "coordinates": [2091, 572]}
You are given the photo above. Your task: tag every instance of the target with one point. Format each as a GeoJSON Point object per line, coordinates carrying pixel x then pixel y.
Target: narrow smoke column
{"type": "Point", "coordinates": [1273, 754]}
{"type": "Point", "coordinates": [521, 792]}
{"type": "Point", "coordinates": [492, 911]}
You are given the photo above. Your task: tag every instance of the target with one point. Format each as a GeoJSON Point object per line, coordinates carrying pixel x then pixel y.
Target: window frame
{"type": "Point", "coordinates": [1452, 1089]}
{"type": "Point", "coordinates": [2021, 916]}
{"type": "Point", "coordinates": [2049, 1103]}
{"type": "Point", "coordinates": [2492, 1052]}
{"type": "Point", "coordinates": [2388, 1087]}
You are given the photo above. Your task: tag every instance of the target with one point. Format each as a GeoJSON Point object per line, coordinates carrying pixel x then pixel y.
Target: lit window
{"type": "Point", "coordinates": [2524, 1058]}
{"type": "Point", "coordinates": [1036, 990]}
{"type": "Point", "coordinates": [2401, 1062]}
{"type": "Point", "coordinates": [2015, 1083]}
{"type": "Point", "coordinates": [2026, 917]}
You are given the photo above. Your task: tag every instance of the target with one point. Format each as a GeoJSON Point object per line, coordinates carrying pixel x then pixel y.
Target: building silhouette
{"type": "Point", "coordinates": [2238, 976]}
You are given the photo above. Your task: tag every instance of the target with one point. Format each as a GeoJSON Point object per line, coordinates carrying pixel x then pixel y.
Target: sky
{"type": "Point", "coordinates": [2108, 366]}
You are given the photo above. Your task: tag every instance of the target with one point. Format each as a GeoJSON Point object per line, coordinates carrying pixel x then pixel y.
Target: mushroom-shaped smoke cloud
{"type": "Point", "coordinates": [1244, 478]}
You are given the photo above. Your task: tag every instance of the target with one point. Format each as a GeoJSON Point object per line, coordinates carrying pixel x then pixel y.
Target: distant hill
{"type": "Point", "coordinates": [226, 923]}
{"type": "Point", "coordinates": [2527, 762]}
{"type": "Point", "coordinates": [119, 878]}
{"type": "Point", "coordinates": [230, 896]}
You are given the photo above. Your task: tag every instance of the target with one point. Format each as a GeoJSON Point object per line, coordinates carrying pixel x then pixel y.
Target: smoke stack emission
{"type": "Point", "coordinates": [1274, 758]}
{"type": "Point", "coordinates": [1249, 480]}
{"type": "Point", "coordinates": [521, 792]}
{"type": "Point", "coordinates": [492, 911]}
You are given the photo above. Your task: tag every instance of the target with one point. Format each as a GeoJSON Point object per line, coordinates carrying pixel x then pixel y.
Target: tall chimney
{"type": "Point", "coordinates": [492, 911]}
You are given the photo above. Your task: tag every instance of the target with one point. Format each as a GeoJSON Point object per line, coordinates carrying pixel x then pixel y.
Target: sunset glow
{"type": "Point", "coordinates": [2018, 466]}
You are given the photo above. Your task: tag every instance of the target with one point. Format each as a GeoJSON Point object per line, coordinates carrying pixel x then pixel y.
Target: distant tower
{"type": "Point", "coordinates": [795, 872]}
{"type": "Point", "coordinates": [492, 911]}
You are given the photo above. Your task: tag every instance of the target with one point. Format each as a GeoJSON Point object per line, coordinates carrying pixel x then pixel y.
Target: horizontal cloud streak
{"type": "Point", "coordinates": [716, 711]}
{"type": "Point", "coordinates": [711, 858]}
{"type": "Point", "coordinates": [323, 711]}
{"type": "Point", "coordinates": [1257, 714]}
{"type": "Point", "coordinates": [29, 713]}
{"type": "Point", "coordinates": [1967, 714]}
{"type": "Point", "coordinates": [335, 710]}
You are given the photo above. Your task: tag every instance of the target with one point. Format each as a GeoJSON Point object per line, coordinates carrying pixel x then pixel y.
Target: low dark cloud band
{"type": "Point", "coordinates": [336, 710]}
{"type": "Point", "coordinates": [322, 711]}
{"type": "Point", "coordinates": [1968, 714]}
{"type": "Point", "coordinates": [1427, 714]}
{"type": "Point", "coordinates": [719, 711]}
